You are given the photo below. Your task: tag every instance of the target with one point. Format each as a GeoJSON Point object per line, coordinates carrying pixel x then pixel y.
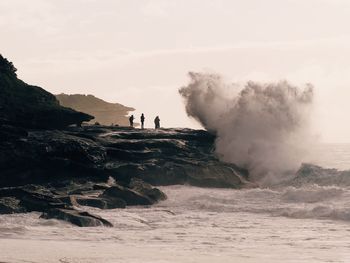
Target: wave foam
{"type": "Point", "coordinates": [261, 127]}
{"type": "Point", "coordinates": [314, 201]}
{"type": "Point", "coordinates": [311, 194]}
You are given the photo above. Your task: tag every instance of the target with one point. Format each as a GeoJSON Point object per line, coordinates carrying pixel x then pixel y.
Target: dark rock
{"type": "Point", "coordinates": [167, 157]}
{"type": "Point", "coordinates": [40, 203]}
{"type": "Point", "coordinates": [81, 190]}
{"type": "Point", "coordinates": [114, 202]}
{"type": "Point", "coordinates": [67, 200]}
{"type": "Point", "coordinates": [82, 219]}
{"type": "Point", "coordinates": [78, 186]}
{"type": "Point", "coordinates": [33, 197]}
{"type": "Point", "coordinates": [214, 175]}
{"type": "Point", "coordinates": [131, 197]}
{"type": "Point", "coordinates": [176, 157]}
{"type": "Point", "coordinates": [10, 205]}
{"type": "Point", "coordinates": [29, 106]}
{"type": "Point", "coordinates": [91, 201]}
{"type": "Point", "coordinates": [8, 132]}
{"type": "Point", "coordinates": [99, 202]}
{"type": "Point", "coordinates": [48, 156]}
{"type": "Point", "coordinates": [100, 186]}
{"type": "Point", "coordinates": [37, 189]}
{"type": "Point", "coordinates": [146, 189]}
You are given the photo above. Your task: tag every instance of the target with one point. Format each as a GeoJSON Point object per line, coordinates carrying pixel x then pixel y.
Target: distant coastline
{"type": "Point", "coordinates": [105, 113]}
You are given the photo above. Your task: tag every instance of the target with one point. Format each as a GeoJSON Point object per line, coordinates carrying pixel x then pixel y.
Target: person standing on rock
{"type": "Point", "coordinates": [142, 121]}
{"type": "Point", "coordinates": [157, 122]}
{"type": "Point", "coordinates": [131, 120]}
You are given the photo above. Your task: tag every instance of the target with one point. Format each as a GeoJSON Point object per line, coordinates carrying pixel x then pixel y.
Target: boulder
{"type": "Point", "coordinates": [10, 205]}
{"type": "Point", "coordinates": [146, 189]}
{"type": "Point", "coordinates": [101, 186]}
{"type": "Point", "coordinates": [214, 175]}
{"type": "Point", "coordinates": [99, 202]}
{"type": "Point", "coordinates": [8, 132]}
{"type": "Point", "coordinates": [32, 198]}
{"type": "Point", "coordinates": [130, 196]}
{"type": "Point", "coordinates": [40, 203]}
{"type": "Point", "coordinates": [79, 218]}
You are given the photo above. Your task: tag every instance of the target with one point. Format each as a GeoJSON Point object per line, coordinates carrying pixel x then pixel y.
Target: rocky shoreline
{"type": "Point", "coordinates": [56, 171]}
{"type": "Point", "coordinates": [51, 163]}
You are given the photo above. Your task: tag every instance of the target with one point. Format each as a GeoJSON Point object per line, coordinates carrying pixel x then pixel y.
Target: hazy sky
{"type": "Point", "coordinates": [138, 52]}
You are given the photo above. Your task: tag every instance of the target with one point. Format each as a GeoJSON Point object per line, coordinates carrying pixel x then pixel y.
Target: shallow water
{"type": "Point", "coordinates": [306, 224]}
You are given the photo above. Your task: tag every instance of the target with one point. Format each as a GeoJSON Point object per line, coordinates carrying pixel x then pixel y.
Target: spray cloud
{"type": "Point", "coordinates": [262, 127]}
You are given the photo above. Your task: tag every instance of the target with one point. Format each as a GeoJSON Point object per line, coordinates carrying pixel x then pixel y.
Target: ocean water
{"type": "Point", "coordinates": [307, 223]}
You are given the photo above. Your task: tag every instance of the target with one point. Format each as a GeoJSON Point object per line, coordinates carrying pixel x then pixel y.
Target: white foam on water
{"type": "Point", "coordinates": [306, 220]}
{"type": "Point", "coordinates": [264, 127]}
{"type": "Point", "coordinates": [310, 224]}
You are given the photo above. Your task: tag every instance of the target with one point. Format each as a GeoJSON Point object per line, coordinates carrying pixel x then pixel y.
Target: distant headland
{"type": "Point", "coordinates": [105, 113]}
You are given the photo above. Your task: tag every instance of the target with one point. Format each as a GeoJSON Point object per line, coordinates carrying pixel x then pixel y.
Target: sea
{"type": "Point", "coordinates": [304, 223]}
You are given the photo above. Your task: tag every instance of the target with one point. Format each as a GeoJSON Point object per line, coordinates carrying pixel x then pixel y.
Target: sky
{"type": "Point", "coordinates": [139, 52]}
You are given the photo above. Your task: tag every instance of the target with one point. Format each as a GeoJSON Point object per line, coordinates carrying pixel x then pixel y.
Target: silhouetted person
{"type": "Point", "coordinates": [131, 120]}
{"type": "Point", "coordinates": [157, 122]}
{"type": "Point", "coordinates": [142, 121]}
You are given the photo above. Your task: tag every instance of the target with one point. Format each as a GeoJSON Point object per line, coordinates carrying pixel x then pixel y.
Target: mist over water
{"type": "Point", "coordinates": [264, 127]}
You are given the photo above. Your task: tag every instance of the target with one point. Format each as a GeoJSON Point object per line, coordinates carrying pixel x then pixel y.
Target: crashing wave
{"type": "Point", "coordinates": [310, 174]}
{"type": "Point", "coordinates": [261, 127]}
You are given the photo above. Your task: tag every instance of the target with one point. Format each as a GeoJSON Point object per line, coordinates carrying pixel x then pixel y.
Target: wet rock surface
{"type": "Point", "coordinates": [161, 157]}
{"type": "Point", "coordinates": [55, 171]}
{"type": "Point", "coordinates": [62, 201]}
{"type": "Point", "coordinates": [10, 205]}
{"type": "Point", "coordinates": [60, 169]}
{"type": "Point", "coordinates": [79, 218]}
{"type": "Point", "coordinates": [130, 196]}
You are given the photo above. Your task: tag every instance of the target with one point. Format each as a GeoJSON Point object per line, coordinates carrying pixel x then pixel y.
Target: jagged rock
{"type": "Point", "coordinates": [167, 157]}
{"type": "Point", "coordinates": [146, 189]}
{"type": "Point", "coordinates": [40, 203]}
{"type": "Point", "coordinates": [99, 202]}
{"type": "Point", "coordinates": [10, 205]}
{"type": "Point", "coordinates": [100, 186]}
{"type": "Point", "coordinates": [37, 189]}
{"type": "Point", "coordinates": [214, 175]}
{"type": "Point", "coordinates": [131, 197]}
{"type": "Point", "coordinates": [178, 156]}
{"type": "Point", "coordinates": [8, 132]}
{"type": "Point", "coordinates": [33, 198]}
{"type": "Point", "coordinates": [79, 218]}
{"type": "Point", "coordinates": [46, 156]}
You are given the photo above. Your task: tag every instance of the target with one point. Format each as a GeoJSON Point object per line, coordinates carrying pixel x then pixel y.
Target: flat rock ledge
{"type": "Point", "coordinates": [56, 171]}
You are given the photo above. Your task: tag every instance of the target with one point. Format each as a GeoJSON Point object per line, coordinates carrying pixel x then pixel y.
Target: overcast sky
{"type": "Point", "coordinates": [138, 52]}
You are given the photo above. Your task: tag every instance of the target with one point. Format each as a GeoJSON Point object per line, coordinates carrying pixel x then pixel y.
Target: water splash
{"type": "Point", "coordinates": [263, 127]}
